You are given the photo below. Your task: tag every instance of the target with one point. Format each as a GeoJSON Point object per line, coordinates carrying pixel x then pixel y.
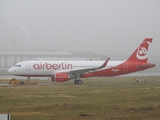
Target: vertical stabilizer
{"type": "Point", "coordinates": [141, 53]}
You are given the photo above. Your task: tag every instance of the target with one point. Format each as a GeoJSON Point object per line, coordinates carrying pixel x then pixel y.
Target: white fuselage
{"type": "Point", "coordinates": [48, 68]}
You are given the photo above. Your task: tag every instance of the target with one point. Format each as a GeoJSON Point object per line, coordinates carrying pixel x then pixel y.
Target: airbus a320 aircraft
{"type": "Point", "coordinates": [61, 71]}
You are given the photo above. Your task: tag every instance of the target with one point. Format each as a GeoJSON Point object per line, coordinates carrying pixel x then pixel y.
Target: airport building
{"type": "Point", "coordinates": [10, 58]}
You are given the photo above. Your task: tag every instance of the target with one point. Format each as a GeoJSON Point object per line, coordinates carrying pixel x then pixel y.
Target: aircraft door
{"type": "Point", "coordinates": [125, 66]}
{"type": "Point", "coordinates": [28, 66]}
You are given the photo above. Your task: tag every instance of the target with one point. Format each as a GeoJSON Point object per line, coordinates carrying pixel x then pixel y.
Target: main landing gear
{"type": "Point", "coordinates": [78, 81]}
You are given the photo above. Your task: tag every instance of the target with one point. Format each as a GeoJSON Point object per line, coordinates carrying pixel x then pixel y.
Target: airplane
{"type": "Point", "coordinates": [61, 71]}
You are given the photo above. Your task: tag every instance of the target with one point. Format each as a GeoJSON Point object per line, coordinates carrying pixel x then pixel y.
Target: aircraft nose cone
{"type": "Point", "coordinates": [10, 70]}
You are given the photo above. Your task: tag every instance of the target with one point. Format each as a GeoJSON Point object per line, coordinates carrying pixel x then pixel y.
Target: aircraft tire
{"type": "Point", "coordinates": [80, 82]}
{"type": "Point", "coordinates": [76, 82]}
{"type": "Point", "coordinates": [21, 83]}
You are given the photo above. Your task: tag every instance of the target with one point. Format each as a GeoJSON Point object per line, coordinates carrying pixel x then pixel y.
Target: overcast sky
{"type": "Point", "coordinates": [101, 26]}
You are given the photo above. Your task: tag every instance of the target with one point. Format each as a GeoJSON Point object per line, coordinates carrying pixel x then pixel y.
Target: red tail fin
{"type": "Point", "coordinates": [141, 53]}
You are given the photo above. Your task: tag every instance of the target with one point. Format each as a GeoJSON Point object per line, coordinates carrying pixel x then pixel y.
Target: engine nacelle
{"type": "Point", "coordinates": [60, 77]}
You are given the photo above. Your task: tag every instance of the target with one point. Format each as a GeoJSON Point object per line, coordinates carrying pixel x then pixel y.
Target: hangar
{"type": "Point", "coordinates": [9, 58]}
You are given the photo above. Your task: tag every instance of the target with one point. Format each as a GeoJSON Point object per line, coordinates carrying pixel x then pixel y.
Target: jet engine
{"type": "Point", "coordinates": [60, 77]}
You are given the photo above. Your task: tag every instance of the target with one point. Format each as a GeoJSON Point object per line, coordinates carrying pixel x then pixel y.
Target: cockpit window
{"type": "Point", "coordinates": [17, 65]}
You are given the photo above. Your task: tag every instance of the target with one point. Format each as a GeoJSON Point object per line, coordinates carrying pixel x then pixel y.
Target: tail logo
{"type": "Point", "coordinates": [142, 52]}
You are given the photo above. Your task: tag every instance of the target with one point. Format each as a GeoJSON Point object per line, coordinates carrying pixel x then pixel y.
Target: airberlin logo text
{"type": "Point", "coordinates": [50, 66]}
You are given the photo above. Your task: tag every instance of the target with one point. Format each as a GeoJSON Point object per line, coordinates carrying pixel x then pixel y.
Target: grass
{"type": "Point", "coordinates": [96, 99]}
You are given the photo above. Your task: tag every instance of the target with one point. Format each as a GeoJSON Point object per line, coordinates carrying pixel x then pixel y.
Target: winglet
{"type": "Point", "coordinates": [105, 63]}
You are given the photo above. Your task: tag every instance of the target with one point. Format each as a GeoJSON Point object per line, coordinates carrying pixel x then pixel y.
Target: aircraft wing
{"type": "Point", "coordinates": [80, 71]}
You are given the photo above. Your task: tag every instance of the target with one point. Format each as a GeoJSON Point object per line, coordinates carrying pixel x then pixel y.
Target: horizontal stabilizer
{"type": "Point", "coordinates": [146, 65]}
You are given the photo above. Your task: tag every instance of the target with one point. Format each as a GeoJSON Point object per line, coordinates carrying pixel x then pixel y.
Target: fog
{"type": "Point", "coordinates": [101, 26]}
